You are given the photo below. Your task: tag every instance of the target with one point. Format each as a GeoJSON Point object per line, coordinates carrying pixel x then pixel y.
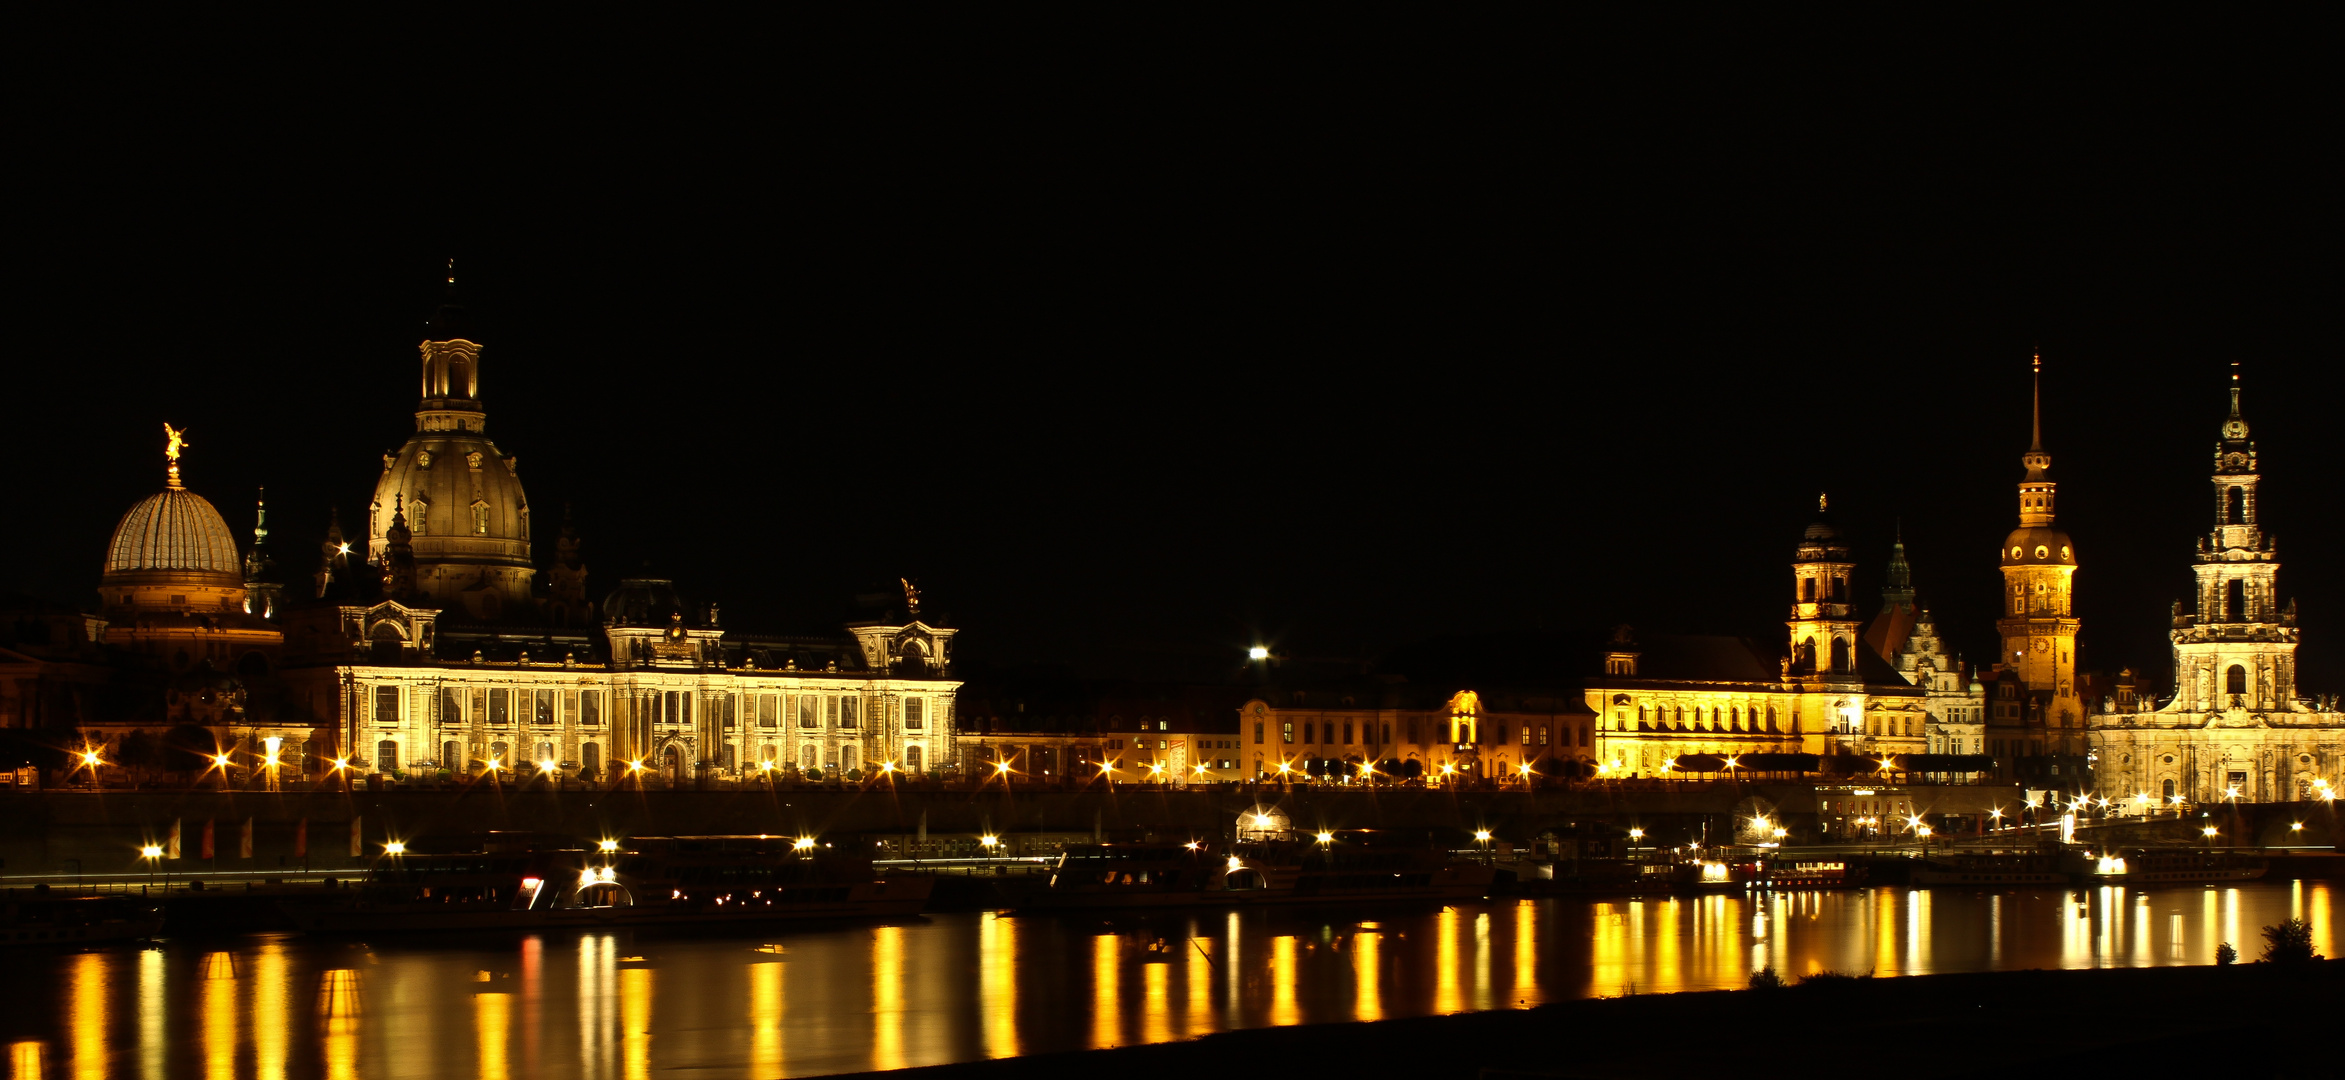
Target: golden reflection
{"type": "Point", "coordinates": [1608, 952]}
{"type": "Point", "coordinates": [338, 1005]}
{"type": "Point", "coordinates": [24, 1060]}
{"type": "Point", "coordinates": [1446, 998]}
{"type": "Point", "coordinates": [491, 1013]}
{"type": "Point", "coordinates": [765, 1019]}
{"type": "Point", "coordinates": [597, 984]}
{"type": "Point", "coordinates": [269, 1010]}
{"type": "Point", "coordinates": [997, 984]}
{"type": "Point", "coordinates": [1366, 971]}
{"type": "Point", "coordinates": [1661, 940]}
{"type": "Point", "coordinates": [887, 997]}
{"type": "Point", "coordinates": [2231, 920]}
{"type": "Point", "coordinates": [634, 1019]}
{"type": "Point", "coordinates": [1106, 1028]}
{"type": "Point", "coordinates": [1482, 960]}
{"type": "Point", "coordinates": [89, 1016]}
{"type": "Point", "coordinates": [1526, 951]}
{"type": "Point", "coordinates": [151, 1013]}
{"type": "Point", "coordinates": [1884, 916]}
{"type": "Point", "coordinates": [1283, 1010]}
{"type": "Point", "coordinates": [1229, 963]}
{"type": "Point", "coordinates": [1917, 930]}
{"type": "Point", "coordinates": [1156, 1002]}
{"type": "Point", "coordinates": [2316, 912]}
{"type": "Point", "coordinates": [219, 1013]}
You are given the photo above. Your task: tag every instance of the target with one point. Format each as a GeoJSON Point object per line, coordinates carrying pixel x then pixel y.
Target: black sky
{"type": "Point", "coordinates": [1132, 373]}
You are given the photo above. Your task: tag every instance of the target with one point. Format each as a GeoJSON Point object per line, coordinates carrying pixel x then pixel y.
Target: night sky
{"type": "Point", "coordinates": [1129, 382]}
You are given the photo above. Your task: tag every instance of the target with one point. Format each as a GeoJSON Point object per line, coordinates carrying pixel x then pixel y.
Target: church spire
{"type": "Point", "coordinates": [2035, 443]}
{"type": "Point", "coordinates": [2035, 492]}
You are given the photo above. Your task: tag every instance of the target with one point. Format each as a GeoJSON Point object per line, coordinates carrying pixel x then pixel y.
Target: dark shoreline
{"type": "Point", "coordinates": [2247, 1020]}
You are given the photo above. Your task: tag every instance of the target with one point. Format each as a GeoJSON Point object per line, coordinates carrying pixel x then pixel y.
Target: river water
{"type": "Point", "coordinates": [956, 987]}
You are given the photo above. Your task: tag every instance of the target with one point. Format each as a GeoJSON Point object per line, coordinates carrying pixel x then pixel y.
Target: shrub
{"type": "Point", "coordinates": [854, 776]}
{"type": "Point", "coordinates": [2225, 954]}
{"type": "Point", "coordinates": [2288, 942]}
{"type": "Point", "coordinates": [814, 775]}
{"type": "Point", "coordinates": [1766, 979]}
{"type": "Point", "coordinates": [1833, 978]}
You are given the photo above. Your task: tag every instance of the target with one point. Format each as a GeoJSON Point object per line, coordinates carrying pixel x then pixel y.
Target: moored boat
{"type": "Point", "coordinates": [2144, 867]}
{"type": "Point", "coordinates": [1346, 867]}
{"type": "Point", "coordinates": [35, 918]}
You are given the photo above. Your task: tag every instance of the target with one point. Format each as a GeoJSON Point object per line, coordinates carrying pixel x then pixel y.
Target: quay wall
{"type": "Point", "coordinates": [52, 832]}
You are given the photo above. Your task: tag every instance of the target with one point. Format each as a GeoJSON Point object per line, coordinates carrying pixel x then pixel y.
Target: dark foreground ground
{"type": "Point", "coordinates": [2249, 1020]}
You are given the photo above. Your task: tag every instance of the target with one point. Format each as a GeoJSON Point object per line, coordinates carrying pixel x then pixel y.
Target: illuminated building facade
{"type": "Point", "coordinates": [1828, 693]}
{"type": "Point", "coordinates": [436, 650]}
{"type": "Point", "coordinates": [2235, 727]}
{"type": "Point", "coordinates": [1437, 731]}
{"type": "Point", "coordinates": [1905, 633]}
{"type": "Point", "coordinates": [444, 655]}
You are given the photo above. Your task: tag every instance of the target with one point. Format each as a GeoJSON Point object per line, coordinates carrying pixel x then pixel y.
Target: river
{"type": "Point", "coordinates": [962, 986]}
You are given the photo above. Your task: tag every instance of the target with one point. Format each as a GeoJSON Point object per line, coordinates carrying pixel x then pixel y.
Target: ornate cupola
{"type": "Point", "coordinates": [461, 497]}
{"type": "Point", "coordinates": [1823, 613]}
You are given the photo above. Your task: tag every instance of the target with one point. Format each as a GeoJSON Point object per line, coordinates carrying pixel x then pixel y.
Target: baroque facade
{"type": "Point", "coordinates": [1832, 695]}
{"type": "Point", "coordinates": [2236, 726]}
{"type": "Point", "coordinates": [437, 649]}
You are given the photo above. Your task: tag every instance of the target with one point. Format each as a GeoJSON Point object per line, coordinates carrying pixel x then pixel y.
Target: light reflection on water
{"type": "Point", "coordinates": [965, 986]}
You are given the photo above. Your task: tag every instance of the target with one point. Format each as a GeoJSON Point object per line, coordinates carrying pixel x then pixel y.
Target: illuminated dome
{"type": "Point", "coordinates": [2039, 544]}
{"type": "Point", "coordinates": [174, 530]}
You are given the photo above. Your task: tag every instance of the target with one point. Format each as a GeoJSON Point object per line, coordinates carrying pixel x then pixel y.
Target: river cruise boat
{"type": "Point", "coordinates": [1346, 867]}
{"type": "Point", "coordinates": [652, 881]}
{"type": "Point", "coordinates": [1809, 872]}
{"type": "Point", "coordinates": [2143, 867]}
{"type": "Point", "coordinates": [37, 917]}
{"type": "Point", "coordinates": [1992, 869]}
{"type": "Point", "coordinates": [757, 879]}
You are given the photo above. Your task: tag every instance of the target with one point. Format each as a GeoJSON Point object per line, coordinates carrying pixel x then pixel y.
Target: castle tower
{"type": "Point", "coordinates": [2039, 623]}
{"type": "Point", "coordinates": [1823, 614]}
{"type": "Point", "coordinates": [462, 497]}
{"type": "Point", "coordinates": [2238, 653]}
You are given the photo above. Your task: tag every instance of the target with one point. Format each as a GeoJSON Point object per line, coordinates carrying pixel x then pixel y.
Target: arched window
{"type": "Point", "coordinates": [1840, 655]}
{"type": "Point", "coordinates": [452, 756]}
{"type": "Point", "coordinates": [2235, 602]}
{"type": "Point", "coordinates": [387, 756]}
{"type": "Point", "coordinates": [2235, 506]}
{"type": "Point", "coordinates": [1839, 590]}
{"type": "Point", "coordinates": [545, 751]}
{"type": "Point", "coordinates": [2167, 789]}
{"type": "Point", "coordinates": [590, 760]}
{"type": "Point", "coordinates": [806, 756]}
{"type": "Point", "coordinates": [2235, 680]}
{"type": "Point", "coordinates": [1807, 590]}
{"type": "Point", "coordinates": [912, 760]}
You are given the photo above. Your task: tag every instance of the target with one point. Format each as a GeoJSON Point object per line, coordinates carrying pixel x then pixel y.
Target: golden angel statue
{"type": "Point", "coordinates": [178, 437]}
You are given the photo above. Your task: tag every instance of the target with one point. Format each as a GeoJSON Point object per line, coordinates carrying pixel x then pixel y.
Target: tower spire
{"type": "Point", "coordinates": [2036, 441]}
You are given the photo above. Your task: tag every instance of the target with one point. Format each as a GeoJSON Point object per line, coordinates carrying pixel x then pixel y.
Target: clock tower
{"type": "Point", "coordinates": [2039, 621]}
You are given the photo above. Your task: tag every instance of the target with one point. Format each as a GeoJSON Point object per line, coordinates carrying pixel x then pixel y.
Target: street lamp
{"type": "Point", "coordinates": [804, 843]}
{"type": "Point", "coordinates": [1326, 837]}
{"type": "Point", "coordinates": [270, 746]}
{"type": "Point", "coordinates": [607, 846]}
{"type": "Point", "coordinates": [989, 841]}
{"type": "Point", "coordinates": [150, 853]}
{"type": "Point", "coordinates": [394, 848]}
{"type": "Point", "coordinates": [1635, 835]}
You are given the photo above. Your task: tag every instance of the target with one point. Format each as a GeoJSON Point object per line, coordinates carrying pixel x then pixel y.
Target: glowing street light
{"type": "Point", "coordinates": [608, 845]}
{"type": "Point", "coordinates": [395, 847]}
{"type": "Point", "coordinates": [2296, 827]}
{"type": "Point", "coordinates": [1636, 834]}
{"type": "Point", "coordinates": [1194, 846]}
{"type": "Point", "coordinates": [1482, 836]}
{"type": "Point", "coordinates": [1258, 652]}
{"type": "Point", "coordinates": [547, 767]}
{"type": "Point", "coordinates": [988, 841]}
{"type": "Point", "coordinates": [1326, 837]}
{"type": "Point", "coordinates": [804, 843]}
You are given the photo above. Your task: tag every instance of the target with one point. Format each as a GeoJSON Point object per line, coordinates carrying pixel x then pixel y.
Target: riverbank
{"type": "Point", "coordinates": [2244, 1020]}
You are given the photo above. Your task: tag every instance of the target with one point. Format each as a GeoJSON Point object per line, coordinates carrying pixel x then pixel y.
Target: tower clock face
{"type": "Point", "coordinates": [2043, 645]}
